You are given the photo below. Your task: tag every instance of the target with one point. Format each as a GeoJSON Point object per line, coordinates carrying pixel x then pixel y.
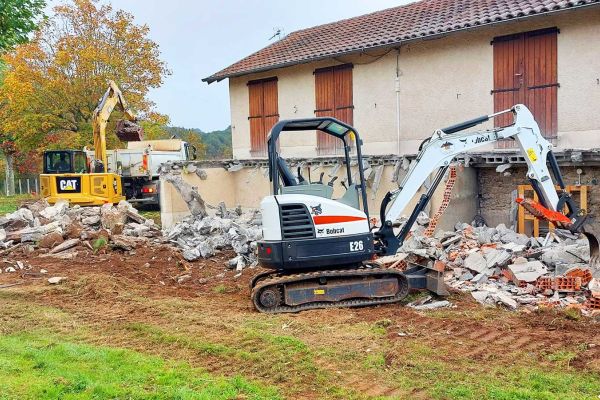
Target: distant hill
{"type": "Point", "coordinates": [217, 143]}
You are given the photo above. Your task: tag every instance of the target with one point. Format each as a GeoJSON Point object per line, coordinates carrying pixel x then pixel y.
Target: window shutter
{"type": "Point", "coordinates": [525, 71]}
{"type": "Point", "coordinates": [263, 110]}
{"type": "Point", "coordinates": [333, 98]}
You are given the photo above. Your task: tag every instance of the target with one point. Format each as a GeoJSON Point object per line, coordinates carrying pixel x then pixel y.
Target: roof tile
{"type": "Point", "coordinates": [388, 27]}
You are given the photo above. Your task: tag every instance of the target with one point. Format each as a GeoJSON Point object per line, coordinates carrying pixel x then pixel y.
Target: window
{"type": "Point", "coordinates": [263, 113]}
{"type": "Point", "coordinates": [525, 72]}
{"type": "Point", "coordinates": [80, 162]}
{"type": "Point", "coordinates": [57, 162]}
{"type": "Point", "coordinates": [333, 97]}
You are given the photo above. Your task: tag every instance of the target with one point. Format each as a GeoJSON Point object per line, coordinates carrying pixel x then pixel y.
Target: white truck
{"type": "Point", "coordinates": [138, 166]}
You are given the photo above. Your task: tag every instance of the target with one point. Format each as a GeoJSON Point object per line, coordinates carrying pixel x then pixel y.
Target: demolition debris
{"type": "Point", "coordinates": [500, 266]}
{"type": "Point", "coordinates": [59, 230]}
{"type": "Point", "coordinates": [202, 236]}
{"type": "Point", "coordinates": [497, 266]}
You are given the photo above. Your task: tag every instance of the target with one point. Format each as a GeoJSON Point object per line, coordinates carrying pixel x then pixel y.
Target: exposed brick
{"type": "Point", "coordinates": [584, 274]}
{"type": "Point", "coordinates": [593, 303]}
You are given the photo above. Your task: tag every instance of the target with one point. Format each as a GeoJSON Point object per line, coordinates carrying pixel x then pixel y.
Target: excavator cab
{"type": "Point", "coordinates": [65, 161]}
{"type": "Point", "coordinates": [67, 176]}
{"type": "Point", "coordinates": [285, 182]}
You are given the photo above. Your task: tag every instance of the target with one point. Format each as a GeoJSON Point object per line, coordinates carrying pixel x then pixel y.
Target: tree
{"type": "Point", "coordinates": [190, 135]}
{"type": "Point", "coordinates": [18, 19]}
{"type": "Point", "coordinates": [53, 83]}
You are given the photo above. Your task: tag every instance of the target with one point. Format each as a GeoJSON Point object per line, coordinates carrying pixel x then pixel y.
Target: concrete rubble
{"type": "Point", "coordinates": [202, 237]}
{"type": "Point", "coordinates": [59, 230]}
{"type": "Point", "coordinates": [498, 266]}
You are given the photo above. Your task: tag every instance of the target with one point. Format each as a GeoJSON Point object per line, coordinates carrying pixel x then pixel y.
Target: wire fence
{"type": "Point", "coordinates": [29, 185]}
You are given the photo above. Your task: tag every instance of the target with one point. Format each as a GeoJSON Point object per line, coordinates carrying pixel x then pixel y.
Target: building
{"type": "Point", "coordinates": [400, 73]}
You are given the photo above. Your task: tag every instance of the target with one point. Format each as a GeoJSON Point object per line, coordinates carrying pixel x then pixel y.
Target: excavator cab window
{"type": "Point", "coordinates": [64, 162]}
{"type": "Point", "coordinates": [283, 179]}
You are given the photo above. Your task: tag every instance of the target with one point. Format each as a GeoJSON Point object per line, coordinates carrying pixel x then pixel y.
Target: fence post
{"type": "Point", "coordinates": [37, 189]}
{"type": "Point", "coordinates": [20, 187]}
{"type": "Point", "coordinates": [28, 188]}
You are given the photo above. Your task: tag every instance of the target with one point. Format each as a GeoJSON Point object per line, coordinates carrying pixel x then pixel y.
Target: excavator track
{"type": "Point", "coordinates": [268, 294]}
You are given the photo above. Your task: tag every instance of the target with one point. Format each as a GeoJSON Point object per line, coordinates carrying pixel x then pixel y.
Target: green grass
{"type": "Point", "coordinates": [35, 367]}
{"type": "Point", "coordinates": [313, 354]}
{"type": "Point", "coordinates": [10, 204]}
{"type": "Point", "coordinates": [151, 214]}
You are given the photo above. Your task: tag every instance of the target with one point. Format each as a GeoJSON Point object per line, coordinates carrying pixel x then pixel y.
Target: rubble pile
{"type": "Point", "coordinates": [201, 236]}
{"type": "Point", "coordinates": [57, 230]}
{"type": "Point", "coordinates": [500, 266]}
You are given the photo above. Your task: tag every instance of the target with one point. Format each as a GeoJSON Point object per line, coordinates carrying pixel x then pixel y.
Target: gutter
{"type": "Point", "coordinates": [438, 35]}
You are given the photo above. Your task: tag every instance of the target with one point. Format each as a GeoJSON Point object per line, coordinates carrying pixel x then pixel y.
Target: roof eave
{"type": "Point", "coordinates": [217, 77]}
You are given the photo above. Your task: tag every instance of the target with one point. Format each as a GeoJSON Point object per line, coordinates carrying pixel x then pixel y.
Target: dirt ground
{"type": "Point", "coordinates": [152, 300]}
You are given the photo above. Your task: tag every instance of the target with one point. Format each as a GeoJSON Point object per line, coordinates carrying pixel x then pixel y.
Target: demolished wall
{"type": "Point", "coordinates": [245, 182]}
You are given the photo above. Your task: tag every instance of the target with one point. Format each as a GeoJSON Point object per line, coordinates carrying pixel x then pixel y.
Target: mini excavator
{"type": "Point", "coordinates": [319, 251]}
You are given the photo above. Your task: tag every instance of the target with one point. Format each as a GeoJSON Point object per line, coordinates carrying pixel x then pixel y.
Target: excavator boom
{"type": "Point", "coordinates": [127, 130]}
{"type": "Point", "coordinates": [436, 154]}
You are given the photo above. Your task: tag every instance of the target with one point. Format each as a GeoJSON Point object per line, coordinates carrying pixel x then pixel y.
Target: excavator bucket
{"type": "Point", "coordinates": [541, 212]}
{"type": "Point", "coordinates": [594, 250]}
{"type": "Point", "coordinates": [128, 131]}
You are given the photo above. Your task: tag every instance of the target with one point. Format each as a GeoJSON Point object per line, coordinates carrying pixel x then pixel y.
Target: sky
{"type": "Point", "coordinates": [200, 37]}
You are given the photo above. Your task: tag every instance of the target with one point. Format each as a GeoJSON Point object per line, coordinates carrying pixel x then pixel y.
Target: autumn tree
{"type": "Point", "coordinates": [53, 83]}
{"type": "Point", "coordinates": [18, 19]}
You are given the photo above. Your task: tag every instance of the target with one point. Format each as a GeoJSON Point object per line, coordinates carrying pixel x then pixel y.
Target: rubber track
{"type": "Point", "coordinates": [361, 272]}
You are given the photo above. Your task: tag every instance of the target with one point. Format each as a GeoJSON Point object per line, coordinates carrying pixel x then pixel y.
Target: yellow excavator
{"type": "Point", "coordinates": [70, 175]}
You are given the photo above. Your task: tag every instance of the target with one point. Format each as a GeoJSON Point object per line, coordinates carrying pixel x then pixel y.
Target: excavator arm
{"type": "Point", "coordinates": [436, 154]}
{"type": "Point", "coordinates": [111, 99]}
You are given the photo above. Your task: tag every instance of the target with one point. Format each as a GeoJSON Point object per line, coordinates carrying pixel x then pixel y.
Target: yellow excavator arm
{"type": "Point", "coordinates": [112, 98]}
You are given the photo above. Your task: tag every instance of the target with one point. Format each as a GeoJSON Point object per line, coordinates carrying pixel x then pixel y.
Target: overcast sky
{"type": "Point", "coordinates": [200, 37]}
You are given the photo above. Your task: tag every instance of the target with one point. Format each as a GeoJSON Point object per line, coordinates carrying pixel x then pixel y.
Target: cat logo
{"type": "Point", "coordinates": [66, 185]}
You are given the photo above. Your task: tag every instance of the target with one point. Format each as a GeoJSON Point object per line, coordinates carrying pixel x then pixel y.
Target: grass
{"type": "Point", "coordinates": [33, 366]}
{"type": "Point", "coordinates": [151, 214]}
{"type": "Point", "coordinates": [74, 347]}
{"type": "Point", "coordinates": [9, 204]}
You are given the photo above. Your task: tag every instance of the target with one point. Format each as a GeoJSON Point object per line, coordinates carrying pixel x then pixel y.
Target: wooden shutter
{"type": "Point", "coordinates": [263, 111]}
{"type": "Point", "coordinates": [525, 72]}
{"type": "Point", "coordinates": [333, 97]}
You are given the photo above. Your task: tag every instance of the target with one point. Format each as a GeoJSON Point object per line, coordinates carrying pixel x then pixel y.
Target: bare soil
{"type": "Point", "coordinates": [105, 288]}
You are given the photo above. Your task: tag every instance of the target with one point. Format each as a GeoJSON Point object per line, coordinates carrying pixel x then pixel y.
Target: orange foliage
{"type": "Point", "coordinates": [53, 83]}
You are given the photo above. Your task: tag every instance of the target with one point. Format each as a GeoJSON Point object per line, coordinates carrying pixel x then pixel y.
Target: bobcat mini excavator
{"type": "Point", "coordinates": [319, 249]}
{"type": "Point", "coordinates": [67, 173]}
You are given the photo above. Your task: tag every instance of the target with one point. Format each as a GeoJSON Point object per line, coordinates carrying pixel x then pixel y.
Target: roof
{"type": "Point", "coordinates": [390, 27]}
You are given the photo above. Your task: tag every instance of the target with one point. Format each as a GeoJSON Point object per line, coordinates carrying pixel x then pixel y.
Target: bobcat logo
{"type": "Point", "coordinates": [316, 210]}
